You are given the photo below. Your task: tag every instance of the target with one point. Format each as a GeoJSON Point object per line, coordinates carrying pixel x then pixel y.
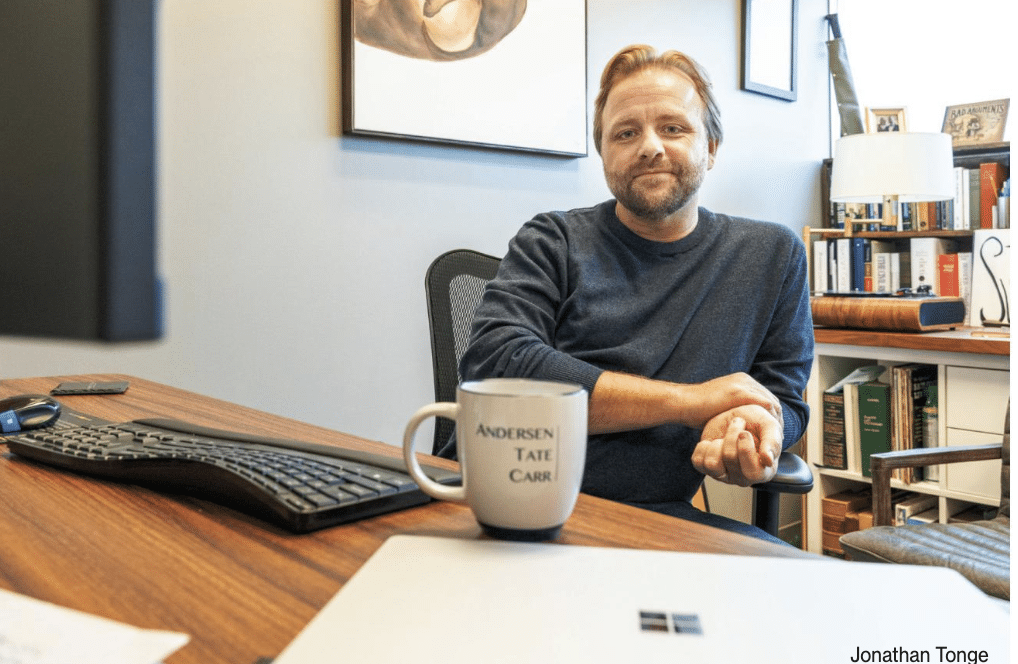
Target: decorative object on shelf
{"type": "Point", "coordinates": [467, 72]}
{"type": "Point", "coordinates": [892, 313]}
{"type": "Point", "coordinates": [976, 124]}
{"type": "Point", "coordinates": [885, 119]}
{"type": "Point", "coordinates": [769, 45]}
{"type": "Point", "coordinates": [991, 277]}
{"type": "Point", "coordinates": [841, 75]}
{"type": "Point", "coordinates": [891, 168]}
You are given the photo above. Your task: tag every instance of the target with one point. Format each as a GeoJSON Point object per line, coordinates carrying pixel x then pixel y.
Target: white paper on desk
{"type": "Point", "coordinates": [37, 632]}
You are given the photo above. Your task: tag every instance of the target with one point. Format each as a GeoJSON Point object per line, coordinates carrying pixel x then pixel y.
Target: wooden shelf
{"type": "Point", "coordinates": [962, 340]}
{"type": "Point", "coordinates": [888, 235]}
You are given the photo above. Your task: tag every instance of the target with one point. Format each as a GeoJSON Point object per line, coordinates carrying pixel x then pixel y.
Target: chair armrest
{"type": "Point", "coordinates": [793, 476]}
{"type": "Point", "coordinates": [883, 463]}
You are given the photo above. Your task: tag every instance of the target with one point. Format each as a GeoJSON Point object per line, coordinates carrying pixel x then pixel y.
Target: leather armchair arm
{"type": "Point", "coordinates": [883, 463]}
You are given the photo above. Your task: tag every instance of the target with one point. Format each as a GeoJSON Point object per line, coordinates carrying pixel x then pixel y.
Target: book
{"type": "Point", "coordinates": [875, 249]}
{"type": "Point", "coordinates": [1004, 206]}
{"type": "Point", "coordinates": [948, 277]}
{"type": "Point", "coordinates": [931, 430]}
{"type": "Point", "coordinates": [912, 505]}
{"type": "Point", "coordinates": [991, 280]}
{"type": "Point", "coordinates": [820, 267]}
{"type": "Point", "coordinates": [929, 516]}
{"type": "Point", "coordinates": [874, 422]}
{"type": "Point", "coordinates": [975, 187]}
{"type": "Point", "coordinates": [961, 193]}
{"type": "Point", "coordinates": [991, 178]}
{"type": "Point", "coordinates": [843, 260]}
{"type": "Point", "coordinates": [909, 388]}
{"type": "Point", "coordinates": [852, 440]}
{"type": "Point", "coordinates": [924, 252]}
{"type": "Point", "coordinates": [886, 272]}
{"type": "Point", "coordinates": [835, 510]}
{"type": "Point", "coordinates": [835, 451]}
{"type": "Point", "coordinates": [860, 249]}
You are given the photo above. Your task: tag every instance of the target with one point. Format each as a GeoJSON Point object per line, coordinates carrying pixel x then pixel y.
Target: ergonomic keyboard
{"type": "Point", "coordinates": [298, 485]}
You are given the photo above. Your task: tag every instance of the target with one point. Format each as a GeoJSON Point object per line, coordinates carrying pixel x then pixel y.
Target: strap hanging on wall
{"type": "Point", "coordinates": [844, 88]}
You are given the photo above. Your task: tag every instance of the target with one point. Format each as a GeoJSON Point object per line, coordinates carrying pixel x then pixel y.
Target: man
{"type": "Point", "coordinates": [690, 330]}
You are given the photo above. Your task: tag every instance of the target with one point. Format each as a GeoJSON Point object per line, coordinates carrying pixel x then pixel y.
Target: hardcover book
{"type": "Point", "coordinates": [924, 252]}
{"type": "Point", "coordinates": [991, 178]}
{"type": "Point", "coordinates": [874, 422]}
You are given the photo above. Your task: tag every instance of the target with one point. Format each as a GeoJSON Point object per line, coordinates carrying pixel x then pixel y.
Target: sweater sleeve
{"type": "Point", "coordinates": [784, 360]}
{"type": "Point", "coordinates": [513, 333]}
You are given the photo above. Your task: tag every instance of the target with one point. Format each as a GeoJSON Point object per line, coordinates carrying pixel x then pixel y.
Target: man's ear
{"type": "Point", "coordinates": [712, 149]}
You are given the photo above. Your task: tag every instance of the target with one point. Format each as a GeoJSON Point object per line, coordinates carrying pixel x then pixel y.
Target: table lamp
{"type": "Point", "coordinates": [892, 168]}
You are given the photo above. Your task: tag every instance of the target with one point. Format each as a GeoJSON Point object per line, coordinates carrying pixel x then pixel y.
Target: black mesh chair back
{"type": "Point", "coordinates": [454, 285]}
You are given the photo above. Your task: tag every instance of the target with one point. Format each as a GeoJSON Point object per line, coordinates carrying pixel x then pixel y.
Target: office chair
{"type": "Point", "coordinates": [455, 282]}
{"type": "Point", "coordinates": [979, 550]}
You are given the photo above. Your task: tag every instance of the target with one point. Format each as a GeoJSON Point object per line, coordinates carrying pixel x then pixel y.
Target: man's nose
{"type": "Point", "coordinates": [652, 145]}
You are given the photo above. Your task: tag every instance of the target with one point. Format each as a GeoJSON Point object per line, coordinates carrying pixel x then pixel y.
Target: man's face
{"type": "Point", "coordinates": [654, 143]}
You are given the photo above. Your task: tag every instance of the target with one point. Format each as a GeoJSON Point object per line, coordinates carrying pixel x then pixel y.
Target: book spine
{"type": "Point", "coordinates": [991, 178]}
{"type": "Point", "coordinates": [820, 267]}
{"type": "Point", "coordinates": [834, 431]}
{"type": "Point", "coordinates": [975, 209]}
{"type": "Point", "coordinates": [965, 282]}
{"type": "Point", "coordinates": [924, 259]}
{"type": "Point", "coordinates": [874, 422]}
{"type": "Point", "coordinates": [859, 251]}
{"type": "Point", "coordinates": [949, 277]}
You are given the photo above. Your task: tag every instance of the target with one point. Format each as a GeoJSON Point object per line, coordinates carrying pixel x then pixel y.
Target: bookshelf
{"type": "Point", "coordinates": [972, 380]}
{"type": "Point", "coordinates": [827, 269]}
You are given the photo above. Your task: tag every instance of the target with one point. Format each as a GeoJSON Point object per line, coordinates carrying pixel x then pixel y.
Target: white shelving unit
{"type": "Point", "coordinates": [973, 379]}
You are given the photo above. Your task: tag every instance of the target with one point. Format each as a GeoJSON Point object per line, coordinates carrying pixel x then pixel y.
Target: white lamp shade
{"type": "Point", "coordinates": [912, 166]}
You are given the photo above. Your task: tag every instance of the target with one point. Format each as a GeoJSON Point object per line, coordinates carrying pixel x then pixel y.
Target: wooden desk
{"type": "Point", "coordinates": [241, 588]}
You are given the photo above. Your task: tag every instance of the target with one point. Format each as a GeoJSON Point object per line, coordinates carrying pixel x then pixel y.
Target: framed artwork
{"type": "Point", "coordinates": [506, 74]}
{"type": "Point", "coordinates": [769, 47]}
{"type": "Point", "coordinates": [885, 119]}
{"type": "Point", "coordinates": [976, 124]}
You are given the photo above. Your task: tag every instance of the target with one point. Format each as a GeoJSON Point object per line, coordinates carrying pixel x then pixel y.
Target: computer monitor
{"type": "Point", "coordinates": [78, 170]}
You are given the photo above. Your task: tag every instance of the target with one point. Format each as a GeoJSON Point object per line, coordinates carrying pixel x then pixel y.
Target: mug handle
{"type": "Point", "coordinates": [429, 486]}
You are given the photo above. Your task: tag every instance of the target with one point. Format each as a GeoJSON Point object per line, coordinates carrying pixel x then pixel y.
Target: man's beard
{"type": "Point", "coordinates": [657, 205]}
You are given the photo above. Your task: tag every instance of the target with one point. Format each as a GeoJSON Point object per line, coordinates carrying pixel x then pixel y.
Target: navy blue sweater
{"type": "Point", "coordinates": [579, 293]}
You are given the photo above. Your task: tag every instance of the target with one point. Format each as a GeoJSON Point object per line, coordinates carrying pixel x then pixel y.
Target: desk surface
{"type": "Point", "coordinates": [241, 588]}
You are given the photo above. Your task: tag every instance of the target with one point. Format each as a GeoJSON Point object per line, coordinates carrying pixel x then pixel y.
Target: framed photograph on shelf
{"type": "Point", "coordinates": [885, 119]}
{"type": "Point", "coordinates": [503, 74]}
{"type": "Point", "coordinates": [976, 124]}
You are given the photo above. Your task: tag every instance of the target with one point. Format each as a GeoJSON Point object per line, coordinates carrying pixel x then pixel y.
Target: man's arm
{"type": "Point", "coordinates": [741, 446]}
{"type": "Point", "coordinates": [622, 402]}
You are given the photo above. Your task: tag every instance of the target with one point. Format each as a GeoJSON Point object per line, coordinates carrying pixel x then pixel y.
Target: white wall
{"type": "Point", "coordinates": [294, 257]}
{"type": "Point", "coordinates": [926, 55]}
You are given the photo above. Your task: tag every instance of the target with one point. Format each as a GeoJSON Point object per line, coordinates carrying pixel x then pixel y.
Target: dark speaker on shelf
{"type": "Point", "coordinates": [78, 170]}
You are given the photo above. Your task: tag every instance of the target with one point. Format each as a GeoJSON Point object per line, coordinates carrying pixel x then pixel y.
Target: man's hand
{"type": "Point", "coordinates": [740, 446]}
{"type": "Point", "coordinates": [725, 393]}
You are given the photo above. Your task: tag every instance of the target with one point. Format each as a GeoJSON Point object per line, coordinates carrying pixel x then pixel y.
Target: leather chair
{"type": "Point", "coordinates": [455, 282]}
{"type": "Point", "coordinates": [979, 550]}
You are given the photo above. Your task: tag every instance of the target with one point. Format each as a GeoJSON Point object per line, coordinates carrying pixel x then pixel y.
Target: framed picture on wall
{"type": "Point", "coordinates": [885, 119]}
{"type": "Point", "coordinates": [769, 47]}
{"type": "Point", "coordinates": [506, 74]}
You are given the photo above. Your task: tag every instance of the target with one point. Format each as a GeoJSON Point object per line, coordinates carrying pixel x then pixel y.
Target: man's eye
{"type": "Point", "coordinates": [626, 134]}
{"type": "Point", "coordinates": [673, 129]}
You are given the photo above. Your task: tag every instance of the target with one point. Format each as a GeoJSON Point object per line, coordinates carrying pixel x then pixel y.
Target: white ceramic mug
{"type": "Point", "coordinates": [521, 445]}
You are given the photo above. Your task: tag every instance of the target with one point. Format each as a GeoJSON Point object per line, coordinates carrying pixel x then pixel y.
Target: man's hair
{"type": "Point", "coordinates": [639, 57]}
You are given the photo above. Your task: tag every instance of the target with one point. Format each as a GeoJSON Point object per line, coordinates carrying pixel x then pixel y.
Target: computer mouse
{"type": "Point", "coordinates": [27, 411]}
